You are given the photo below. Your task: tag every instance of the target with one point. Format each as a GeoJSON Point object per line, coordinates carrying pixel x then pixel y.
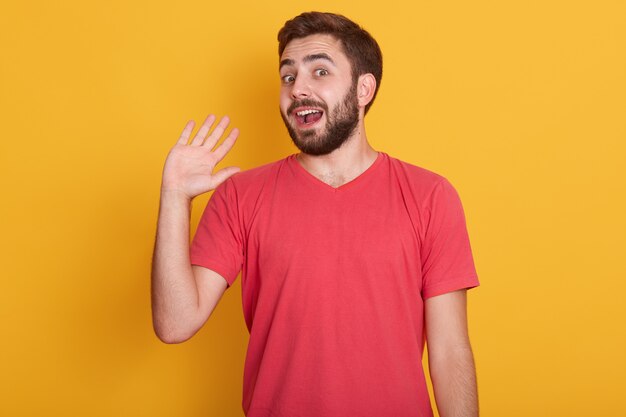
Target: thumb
{"type": "Point", "coordinates": [223, 174]}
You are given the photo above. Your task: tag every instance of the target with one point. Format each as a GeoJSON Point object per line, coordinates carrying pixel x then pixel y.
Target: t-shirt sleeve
{"type": "Point", "coordinates": [218, 243]}
{"type": "Point", "coordinates": [447, 262]}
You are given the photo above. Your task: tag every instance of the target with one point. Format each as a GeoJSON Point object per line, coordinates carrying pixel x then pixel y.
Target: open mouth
{"type": "Point", "coordinates": [308, 116]}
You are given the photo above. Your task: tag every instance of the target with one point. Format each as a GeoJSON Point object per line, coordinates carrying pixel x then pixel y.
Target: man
{"type": "Point", "coordinates": [349, 257]}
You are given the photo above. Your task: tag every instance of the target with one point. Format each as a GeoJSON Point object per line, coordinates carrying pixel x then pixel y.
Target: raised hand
{"type": "Point", "coordinates": [189, 165]}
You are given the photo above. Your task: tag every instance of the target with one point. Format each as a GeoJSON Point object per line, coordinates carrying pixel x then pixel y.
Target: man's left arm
{"type": "Point", "coordinates": [450, 357]}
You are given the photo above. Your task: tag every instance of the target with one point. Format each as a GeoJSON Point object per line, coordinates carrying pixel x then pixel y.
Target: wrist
{"type": "Point", "coordinates": [174, 194]}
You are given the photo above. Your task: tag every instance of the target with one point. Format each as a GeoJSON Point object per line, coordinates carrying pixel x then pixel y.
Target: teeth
{"type": "Point", "coordinates": [305, 112]}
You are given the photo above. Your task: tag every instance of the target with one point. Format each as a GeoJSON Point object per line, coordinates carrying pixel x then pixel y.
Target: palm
{"type": "Point", "coordinates": [189, 167]}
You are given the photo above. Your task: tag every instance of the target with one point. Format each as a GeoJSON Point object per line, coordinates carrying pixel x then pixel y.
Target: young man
{"type": "Point", "coordinates": [350, 258]}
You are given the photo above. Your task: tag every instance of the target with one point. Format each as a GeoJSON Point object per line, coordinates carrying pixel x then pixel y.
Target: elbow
{"type": "Point", "coordinates": [450, 350]}
{"type": "Point", "coordinates": [170, 339]}
{"type": "Point", "coordinates": [170, 335]}
{"type": "Point", "coordinates": [439, 359]}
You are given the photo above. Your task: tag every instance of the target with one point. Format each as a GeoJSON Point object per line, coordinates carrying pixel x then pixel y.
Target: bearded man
{"type": "Point", "coordinates": [351, 260]}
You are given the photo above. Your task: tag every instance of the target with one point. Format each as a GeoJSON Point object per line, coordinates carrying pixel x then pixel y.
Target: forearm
{"type": "Point", "coordinates": [454, 382]}
{"type": "Point", "coordinates": [174, 290]}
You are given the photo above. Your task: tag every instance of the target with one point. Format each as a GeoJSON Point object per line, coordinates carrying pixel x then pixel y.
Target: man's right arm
{"type": "Point", "coordinates": [184, 295]}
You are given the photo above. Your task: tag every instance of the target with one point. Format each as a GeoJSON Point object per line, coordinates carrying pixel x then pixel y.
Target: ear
{"type": "Point", "coordinates": [366, 86]}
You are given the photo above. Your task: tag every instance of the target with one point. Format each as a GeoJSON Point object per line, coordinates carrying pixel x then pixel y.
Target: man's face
{"type": "Point", "coordinates": [318, 100]}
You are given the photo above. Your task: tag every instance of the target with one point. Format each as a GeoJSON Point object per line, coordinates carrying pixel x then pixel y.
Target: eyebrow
{"type": "Point", "coordinates": [308, 58]}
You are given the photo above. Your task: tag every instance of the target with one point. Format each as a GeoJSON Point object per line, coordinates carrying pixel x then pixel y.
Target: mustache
{"type": "Point", "coordinates": [307, 102]}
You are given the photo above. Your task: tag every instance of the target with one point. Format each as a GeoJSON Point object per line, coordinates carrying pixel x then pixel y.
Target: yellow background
{"type": "Point", "coordinates": [520, 104]}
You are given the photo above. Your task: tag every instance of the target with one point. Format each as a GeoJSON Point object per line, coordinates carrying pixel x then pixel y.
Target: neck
{"type": "Point", "coordinates": [343, 164]}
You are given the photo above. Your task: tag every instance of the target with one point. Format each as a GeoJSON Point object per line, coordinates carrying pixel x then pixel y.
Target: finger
{"type": "Point", "coordinates": [223, 174]}
{"type": "Point", "coordinates": [184, 137]}
{"type": "Point", "coordinates": [203, 131]}
{"type": "Point", "coordinates": [217, 132]}
{"type": "Point", "coordinates": [221, 151]}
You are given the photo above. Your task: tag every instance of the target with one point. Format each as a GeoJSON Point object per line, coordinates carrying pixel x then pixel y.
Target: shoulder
{"type": "Point", "coordinates": [418, 180]}
{"type": "Point", "coordinates": [259, 173]}
{"type": "Point", "coordinates": [251, 182]}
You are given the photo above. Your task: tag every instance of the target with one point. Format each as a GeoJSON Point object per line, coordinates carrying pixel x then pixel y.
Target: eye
{"type": "Point", "coordinates": [287, 79]}
{"type": "Point", "coordinates": [320, 72]}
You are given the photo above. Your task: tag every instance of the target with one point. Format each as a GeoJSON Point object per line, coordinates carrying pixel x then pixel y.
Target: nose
{"type": "Point", "coordinates": [300, 88]}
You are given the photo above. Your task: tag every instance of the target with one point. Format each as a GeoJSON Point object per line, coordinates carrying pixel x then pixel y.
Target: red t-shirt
{"type": "Point", "coordinates": [334, 282]}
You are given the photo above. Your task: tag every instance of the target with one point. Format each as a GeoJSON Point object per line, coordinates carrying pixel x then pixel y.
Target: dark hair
{"type": "Point", "coordinates": [359, 46]}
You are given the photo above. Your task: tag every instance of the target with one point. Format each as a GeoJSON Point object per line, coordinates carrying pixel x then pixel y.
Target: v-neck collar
{"type": "Point", "coordinates": [301, 172]}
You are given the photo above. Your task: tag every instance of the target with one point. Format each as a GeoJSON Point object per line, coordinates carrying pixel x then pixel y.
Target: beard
{"type": "Point", "coordinates": [340, 125]}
